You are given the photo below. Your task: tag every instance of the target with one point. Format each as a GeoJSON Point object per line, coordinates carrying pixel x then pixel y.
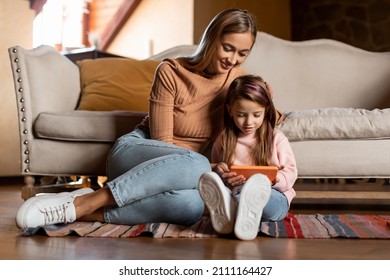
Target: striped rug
{"type": "Point", "coordinates": [293, 226]}
{"type": "Point", "coordinates": [329, 226]}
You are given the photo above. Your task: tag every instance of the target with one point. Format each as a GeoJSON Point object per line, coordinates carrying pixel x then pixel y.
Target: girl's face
{"type": "Point", "coordinates": [231, 51]}
{"type": "Point", "coordinates": [247, 115]}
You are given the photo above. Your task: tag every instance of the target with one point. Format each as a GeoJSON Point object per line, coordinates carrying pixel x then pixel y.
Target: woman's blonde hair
{"type": "Point", "coordinates": [226, 22]}
{"type": "Point", "coordinates": [253, 88]}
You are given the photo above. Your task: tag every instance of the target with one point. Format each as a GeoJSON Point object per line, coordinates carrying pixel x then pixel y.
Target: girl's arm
{"type": "Point", "coordinates": [283, 157]}
{"type": "Point", "coordinates": [230, 179]}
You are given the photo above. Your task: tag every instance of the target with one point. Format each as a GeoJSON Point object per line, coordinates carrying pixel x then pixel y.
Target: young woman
{"type": "Point", "coordinates": [249, 138]}
{"type": "Point", "coordinates": [153, 172]}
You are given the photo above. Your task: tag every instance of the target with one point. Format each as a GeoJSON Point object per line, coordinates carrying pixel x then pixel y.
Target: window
{"type": "Point", "coordinates": [61, 24]}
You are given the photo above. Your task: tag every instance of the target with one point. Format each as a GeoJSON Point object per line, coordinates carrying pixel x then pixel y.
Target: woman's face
{"type": "Point", "coordinates": [231, 51]}
{"type": "Point", "coordinates": [247, 115]}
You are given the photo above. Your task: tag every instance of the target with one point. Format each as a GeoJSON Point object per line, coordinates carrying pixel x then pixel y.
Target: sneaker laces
{"type": "Point", "coordinates": [56, 214]}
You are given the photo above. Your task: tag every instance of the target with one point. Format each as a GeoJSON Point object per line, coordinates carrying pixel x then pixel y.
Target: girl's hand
{"type": "Point", "coordinates": [235, 180]}
{"type": "Point", "coordinates": [220, 168]}
{"type": "Point", "coordinates": [230, 179]}
{"type": "Point", "coordinates": [277, 180]}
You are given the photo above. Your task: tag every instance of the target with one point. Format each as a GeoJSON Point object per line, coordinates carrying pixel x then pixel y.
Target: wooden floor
{"type": "Point", "coordinates": [15, 247]}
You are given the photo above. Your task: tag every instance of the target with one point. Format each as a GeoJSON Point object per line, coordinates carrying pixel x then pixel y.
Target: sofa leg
{"type": "Point", "coordinates": [28, 188]}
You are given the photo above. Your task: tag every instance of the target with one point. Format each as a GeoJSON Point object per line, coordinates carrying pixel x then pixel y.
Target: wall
{"type": "Point", "coordinates": [154, 27]}
{"type": "Point", "coordinates": [363, 24]}
{"type": "Point", "coordinates": [158, 25]}
{"type": "Point", "coordinates": [272, 17]}
{"type": "Point", "coordinates": [102, 12]}
{"type": "Point", "coordinates": [16, 29]}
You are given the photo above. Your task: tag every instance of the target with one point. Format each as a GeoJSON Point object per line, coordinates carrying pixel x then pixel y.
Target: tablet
{"type": "Point", "coordinates": [248, 171]}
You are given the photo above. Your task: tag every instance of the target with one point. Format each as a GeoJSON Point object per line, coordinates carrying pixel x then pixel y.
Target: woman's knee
{"type": "Point", "coordinates": [191, 207]}
{"type": "Point", "coordinates": [124, 154]}
{"type": "Point", "coordinates": [201, 163]}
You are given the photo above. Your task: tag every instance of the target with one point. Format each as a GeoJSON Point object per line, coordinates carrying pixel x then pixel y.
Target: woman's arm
{"type": "Point", "coordinates": [161, 104]}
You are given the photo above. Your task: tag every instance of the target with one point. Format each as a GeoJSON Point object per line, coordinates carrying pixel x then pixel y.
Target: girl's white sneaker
{"type": "Point", "coordinates": [219, 202]}
{"type": "Point", "coordinates": [253, 198]}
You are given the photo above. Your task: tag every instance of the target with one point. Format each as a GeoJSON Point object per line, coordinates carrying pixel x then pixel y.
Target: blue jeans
{"type": "Point", "coordinates": [276, 208]}
{"type": "Point", "coordinates": [154, 181]}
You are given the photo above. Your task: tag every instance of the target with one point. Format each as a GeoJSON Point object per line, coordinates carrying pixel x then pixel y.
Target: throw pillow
{"type": "Point", "coordinates": [109, 84]}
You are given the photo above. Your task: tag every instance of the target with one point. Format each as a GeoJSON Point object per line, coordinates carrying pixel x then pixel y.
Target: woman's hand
{"type": "Point", "coordinates": [270, 89]}
{"type": "Point", "coordinates": [279, 115]}
{"type": "Point", "coordinates": [230, 179]}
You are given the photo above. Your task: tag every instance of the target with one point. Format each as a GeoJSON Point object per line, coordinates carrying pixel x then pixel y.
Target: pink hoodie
{"type": "Point", "coordinates": [282, 155]}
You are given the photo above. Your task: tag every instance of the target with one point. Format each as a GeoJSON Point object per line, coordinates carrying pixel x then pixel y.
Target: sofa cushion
{"type": "Point", "coordinates": [336, 123]}
{"type": "Point", "coordinates": [87, 126]}
{"type": "Point", "coordinates": [109, 84]}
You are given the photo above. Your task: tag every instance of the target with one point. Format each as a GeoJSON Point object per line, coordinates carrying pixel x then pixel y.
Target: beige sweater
{"type": "Point", "coordinates": [186, 109]}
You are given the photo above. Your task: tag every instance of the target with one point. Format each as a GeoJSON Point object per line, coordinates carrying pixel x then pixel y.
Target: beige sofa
{"type": "Point", "coordinates": [335, 98]}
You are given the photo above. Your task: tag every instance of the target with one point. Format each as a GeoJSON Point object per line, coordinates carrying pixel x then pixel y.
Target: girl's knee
{"type": "Point", "coordinates": [277, 207]}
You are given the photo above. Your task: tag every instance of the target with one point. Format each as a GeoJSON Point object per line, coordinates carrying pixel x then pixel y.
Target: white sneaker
{"type": "Point", "coordinates": [219, 202]}
{"type": "Point", "coordinates": [253, 198]}
{"type": "Point", "coordinates": [52, 209]}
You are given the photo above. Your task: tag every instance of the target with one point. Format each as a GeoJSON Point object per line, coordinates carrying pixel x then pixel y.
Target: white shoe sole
{"type": "Point", "coordinates": [253, 198]}
{"type": "Point", "coordinates": [219, 202]}
{"type": "Point", "coordinates": [77, 192]}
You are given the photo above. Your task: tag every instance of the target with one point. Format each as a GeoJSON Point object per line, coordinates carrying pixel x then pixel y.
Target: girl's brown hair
{"type": "Point", "coordinates": [226, 22]}
{"type": "Point", "coordinates": [253, 88]}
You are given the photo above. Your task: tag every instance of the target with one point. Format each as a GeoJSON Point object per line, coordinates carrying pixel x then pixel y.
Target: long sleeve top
{"type": "Point", "coordinates": [282, 155]}
{"type": "Point", "coordinates": [186, 109]}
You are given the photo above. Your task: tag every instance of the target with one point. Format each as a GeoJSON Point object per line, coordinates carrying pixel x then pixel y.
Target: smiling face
{"type": "Point", "coordinates": [247, 115]}
{"type": "Point", "coordinates": [232, 50]}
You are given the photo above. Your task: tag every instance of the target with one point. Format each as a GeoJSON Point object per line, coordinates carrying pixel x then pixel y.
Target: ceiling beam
{"type": "Point", "coordinates": [37, 5]}
{"type": "Point", "coordinates": [120, 18]}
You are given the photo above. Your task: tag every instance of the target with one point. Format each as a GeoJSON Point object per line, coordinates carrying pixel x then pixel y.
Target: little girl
{"type": "Point", "coordinates": [249, 138]}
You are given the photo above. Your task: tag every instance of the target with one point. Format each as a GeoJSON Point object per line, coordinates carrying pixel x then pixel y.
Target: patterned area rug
{"type": "Point", "coordinates": [293, 226]}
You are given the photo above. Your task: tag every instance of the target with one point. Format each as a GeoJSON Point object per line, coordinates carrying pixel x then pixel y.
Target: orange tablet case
{"type": "Point", "coordinates": [248, 171]}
